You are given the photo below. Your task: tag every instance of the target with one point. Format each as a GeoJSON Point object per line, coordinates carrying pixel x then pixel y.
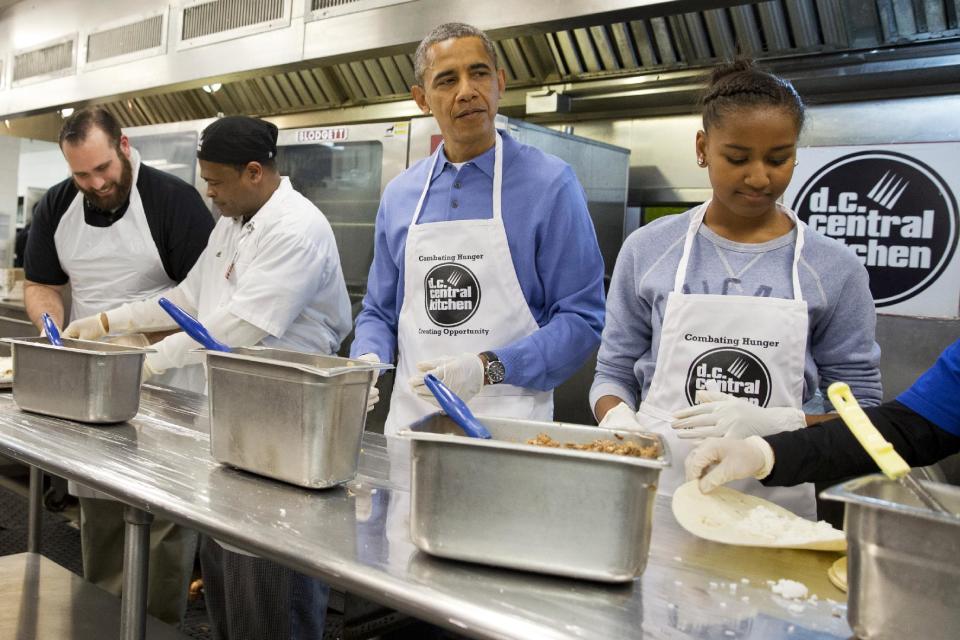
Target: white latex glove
{"type": "Point", "coordinates": [718, 461]}
{"type": "Point", "coordinates": [374, 395]}
{"type": "Point", "coordinates": [89, 328]}
{"type": "Point", "coordinates": [463, 374]}
{"type": "Point", "coordinates": [719, 414]}
{"type": "Point", "coordinates": [148, 371]}
{"type": "Point", "coordinates": [621, 417]}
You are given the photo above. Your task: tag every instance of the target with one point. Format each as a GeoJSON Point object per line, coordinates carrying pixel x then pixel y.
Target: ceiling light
{"type": "Point", "coordinates": [66, 112]}
{"type": "Point", "coordinates": [212, 88]}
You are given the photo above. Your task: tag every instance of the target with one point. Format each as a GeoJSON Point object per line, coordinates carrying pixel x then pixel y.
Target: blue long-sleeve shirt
{"type": "Point", "coordinates": [841, 342]}
{"type": "Point", "coordinates": [553, 248]}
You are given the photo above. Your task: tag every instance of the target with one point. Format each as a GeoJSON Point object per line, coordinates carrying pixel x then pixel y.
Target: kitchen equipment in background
{"type": "Point", "coordinates": [503, 502]}
{"type": "Point", "coordinates": [11, 284]}
{"type": "Point", "coordinates": [292, 416]}
{"type": "Point", "coordinates": [84, 381]}
{"type": "Point", "coordinates": [172, 148]}
{"type": "Point", "coordinates": [903, 562]}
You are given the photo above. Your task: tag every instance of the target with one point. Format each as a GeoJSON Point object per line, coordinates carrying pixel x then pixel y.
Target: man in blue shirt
{"type": "Point", "coordinates": [486, 269]}
{"type": "Point", "coordinates": [922, 424]}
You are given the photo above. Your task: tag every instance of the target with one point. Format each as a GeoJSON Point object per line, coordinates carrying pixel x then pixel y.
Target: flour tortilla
{"type": "Point", "coordinates": [838, 574]}
{"type": "Point", "coordinates": [713, 516]}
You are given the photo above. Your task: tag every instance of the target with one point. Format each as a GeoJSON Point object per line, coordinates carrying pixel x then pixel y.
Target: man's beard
{"type": "Point", "coordinates": [120, 194]}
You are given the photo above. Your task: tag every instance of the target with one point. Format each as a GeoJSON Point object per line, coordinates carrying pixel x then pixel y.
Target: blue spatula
{"type": "Point", "coordinates": [50, 328]}
{"type": "Point", "coordinates": [456, 408]}
{"type": "Point", "coordinates": [192, 326]}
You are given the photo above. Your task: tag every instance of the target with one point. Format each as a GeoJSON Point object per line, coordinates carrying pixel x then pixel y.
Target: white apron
{"type": "Point", "coordinates": [747, 346]}
{"type": "Point", "coordinates": [461, 294]}
{"type": "Point", "coordinates": [109, 266]}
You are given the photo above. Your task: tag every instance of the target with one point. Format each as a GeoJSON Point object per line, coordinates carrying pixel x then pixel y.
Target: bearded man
{"type": "Point", "coordinates": [116, 231]}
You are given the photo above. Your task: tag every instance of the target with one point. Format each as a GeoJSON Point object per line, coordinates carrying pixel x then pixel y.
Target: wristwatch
{"type": "Point", "coordinates": [493, 370]}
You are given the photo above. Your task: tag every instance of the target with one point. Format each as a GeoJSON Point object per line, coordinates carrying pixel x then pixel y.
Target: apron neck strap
{"type": "Point", "coordinates": [497, 180]}
{"type": "Point", "coordinates": [697, 219]}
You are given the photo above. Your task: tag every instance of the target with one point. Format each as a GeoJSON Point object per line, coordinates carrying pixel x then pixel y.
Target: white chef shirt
{"type": "Point", "coordinates": [286, 282]}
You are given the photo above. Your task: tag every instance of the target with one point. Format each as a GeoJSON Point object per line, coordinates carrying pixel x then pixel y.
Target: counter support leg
{"type": "Point", "coordinates": [36, 510]}
{"type": "Point", "coordinates": [136, 558]}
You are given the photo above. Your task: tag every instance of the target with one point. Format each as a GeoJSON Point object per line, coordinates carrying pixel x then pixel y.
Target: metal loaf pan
{"type": "Point", "coordinates": [292, 416]}
{"type": "Point", "coordinates": [84, 381]}
{"type": "Point", "coordinates": [903, 565]}
{"type": "Point", "coordinates": [506, 503]}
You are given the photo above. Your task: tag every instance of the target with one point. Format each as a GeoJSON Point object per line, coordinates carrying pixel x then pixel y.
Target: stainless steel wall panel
{"type": "Point", "coordinates": [404, 64]}
{"type": "Point", "coordinates": [681, 37]}
{"type": "Point", "coordinates": [378, 78]}
{"type": "Point", "coordinates": [624, 44]}
{"type": "Point", "coordinates": [369, 90]}
{"type": "Point", "coordinates": [332, 84]}
{"type": "Point", "coordinates": [604, 44]}
{"type": "Point", "coordinates": [504, 62]}
{"type": "Point", "coordinates": [389, 67]}
{"type": "Point", "coordinates": [304, 97]}
{"type": "Point", "coordinates": [935, 16]}
{"type": "Point", "coordinates": [774, 23]}
{"type": "Point", "coordinates": [518, 61]}
{"type": "Point", "coordinates": [905, 17]}
{"type": "Point", "coordinates": [588, 54]}
{"type": "Point", "coordinates": [568, 52]}
{"type": "Point", "coordinates": [803, 23]}
{"type": "Point", "coordinates": [666, 50]}
{"type": "Point", "coordinates": [721, 34]}
{"type": "Point", "coordinates": [747, 30]}
{"type": "Point", "coordinates": [697, 36]}
{"type": "Point", "coordinates": [833, 23]}
{"type": "Point", "coordinates": [645, 45]}
{"type": "Point", "coordinates": [282, 88]}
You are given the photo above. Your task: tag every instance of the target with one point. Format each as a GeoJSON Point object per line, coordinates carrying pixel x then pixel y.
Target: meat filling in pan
{"type": "Point", "coordinates": [617, 448]}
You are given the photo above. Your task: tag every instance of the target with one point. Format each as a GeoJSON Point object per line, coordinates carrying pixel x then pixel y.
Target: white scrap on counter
{"type": "Point", "coordinates": [786, 529]}
{"type": "Point", "coordinates": [789, 589]}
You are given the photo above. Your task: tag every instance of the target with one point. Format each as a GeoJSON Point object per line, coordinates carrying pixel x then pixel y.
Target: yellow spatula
{"type": "Point", "coordinates": [882, 452]}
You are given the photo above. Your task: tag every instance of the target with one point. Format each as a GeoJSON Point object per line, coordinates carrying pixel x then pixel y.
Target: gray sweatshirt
{"type": "Point", "coordinates": [841, 337]}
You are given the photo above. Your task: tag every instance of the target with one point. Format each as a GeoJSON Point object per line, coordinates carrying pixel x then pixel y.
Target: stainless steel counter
{"type": "Point", "coordinates": [356, 537]}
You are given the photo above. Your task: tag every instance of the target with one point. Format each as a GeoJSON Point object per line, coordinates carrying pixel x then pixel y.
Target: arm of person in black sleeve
{"type": "Point", "coordinates": [179, 221]}
{"type": "Point", "coordinates": [44, 274]}
{"type": "Point", "coordinates": [830, 452]}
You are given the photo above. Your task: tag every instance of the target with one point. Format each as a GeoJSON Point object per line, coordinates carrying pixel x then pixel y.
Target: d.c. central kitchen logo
{"type": "Point", "coordinates": [452, 294]}
{"type": "Point", "coordinates": [893, 211]}
{"type": "Point", "coordinates": [730, 370]}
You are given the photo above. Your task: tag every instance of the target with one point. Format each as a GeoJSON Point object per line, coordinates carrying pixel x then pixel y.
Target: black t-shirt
{"type": "Point", "coordinates": [179, 222]}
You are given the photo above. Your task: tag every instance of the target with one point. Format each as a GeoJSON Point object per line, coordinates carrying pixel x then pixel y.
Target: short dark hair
{"type": "Point", "coordinates": [740, 84]}
{"type": "Point", "coordinates": [445, 32]}
{"type": "Point", "coordinates": [77, 127]}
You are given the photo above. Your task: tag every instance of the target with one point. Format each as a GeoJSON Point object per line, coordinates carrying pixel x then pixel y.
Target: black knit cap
{"type": "Point", "coordinates": [238, 140]}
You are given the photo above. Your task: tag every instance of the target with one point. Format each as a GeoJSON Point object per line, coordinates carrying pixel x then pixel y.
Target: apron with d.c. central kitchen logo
{"type": "Point", "coordinates": [461, 293]}
{"type": "Point", "coordinates": [750, 347]}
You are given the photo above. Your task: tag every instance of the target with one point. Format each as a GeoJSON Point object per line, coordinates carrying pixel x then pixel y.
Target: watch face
{"type": "Point", "coordinates": [495, 372]}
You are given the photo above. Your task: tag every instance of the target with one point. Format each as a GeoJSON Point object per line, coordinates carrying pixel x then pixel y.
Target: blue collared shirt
{"type": "Point", "coordinates": [553, 247]}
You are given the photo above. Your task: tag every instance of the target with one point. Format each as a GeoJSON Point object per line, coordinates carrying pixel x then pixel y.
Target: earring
{"type": "Point", "coordinates": [796, 162]}
{"type": "Point", "coordinates": [701, 161]}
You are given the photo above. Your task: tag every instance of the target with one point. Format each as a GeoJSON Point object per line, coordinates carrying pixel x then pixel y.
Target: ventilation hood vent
{"type": "Point", "coordinates": [50, 60]}
{"type": "Point", "coordinates": [126, 41]}
{"type": "Point", "coordinates": [322, 9]}
{"type": "Point", "coordinates": [204, 22]}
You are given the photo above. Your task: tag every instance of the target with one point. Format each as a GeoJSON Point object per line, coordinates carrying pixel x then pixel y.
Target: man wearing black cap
{"type": "Point", "coordinates": [270, 276]}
